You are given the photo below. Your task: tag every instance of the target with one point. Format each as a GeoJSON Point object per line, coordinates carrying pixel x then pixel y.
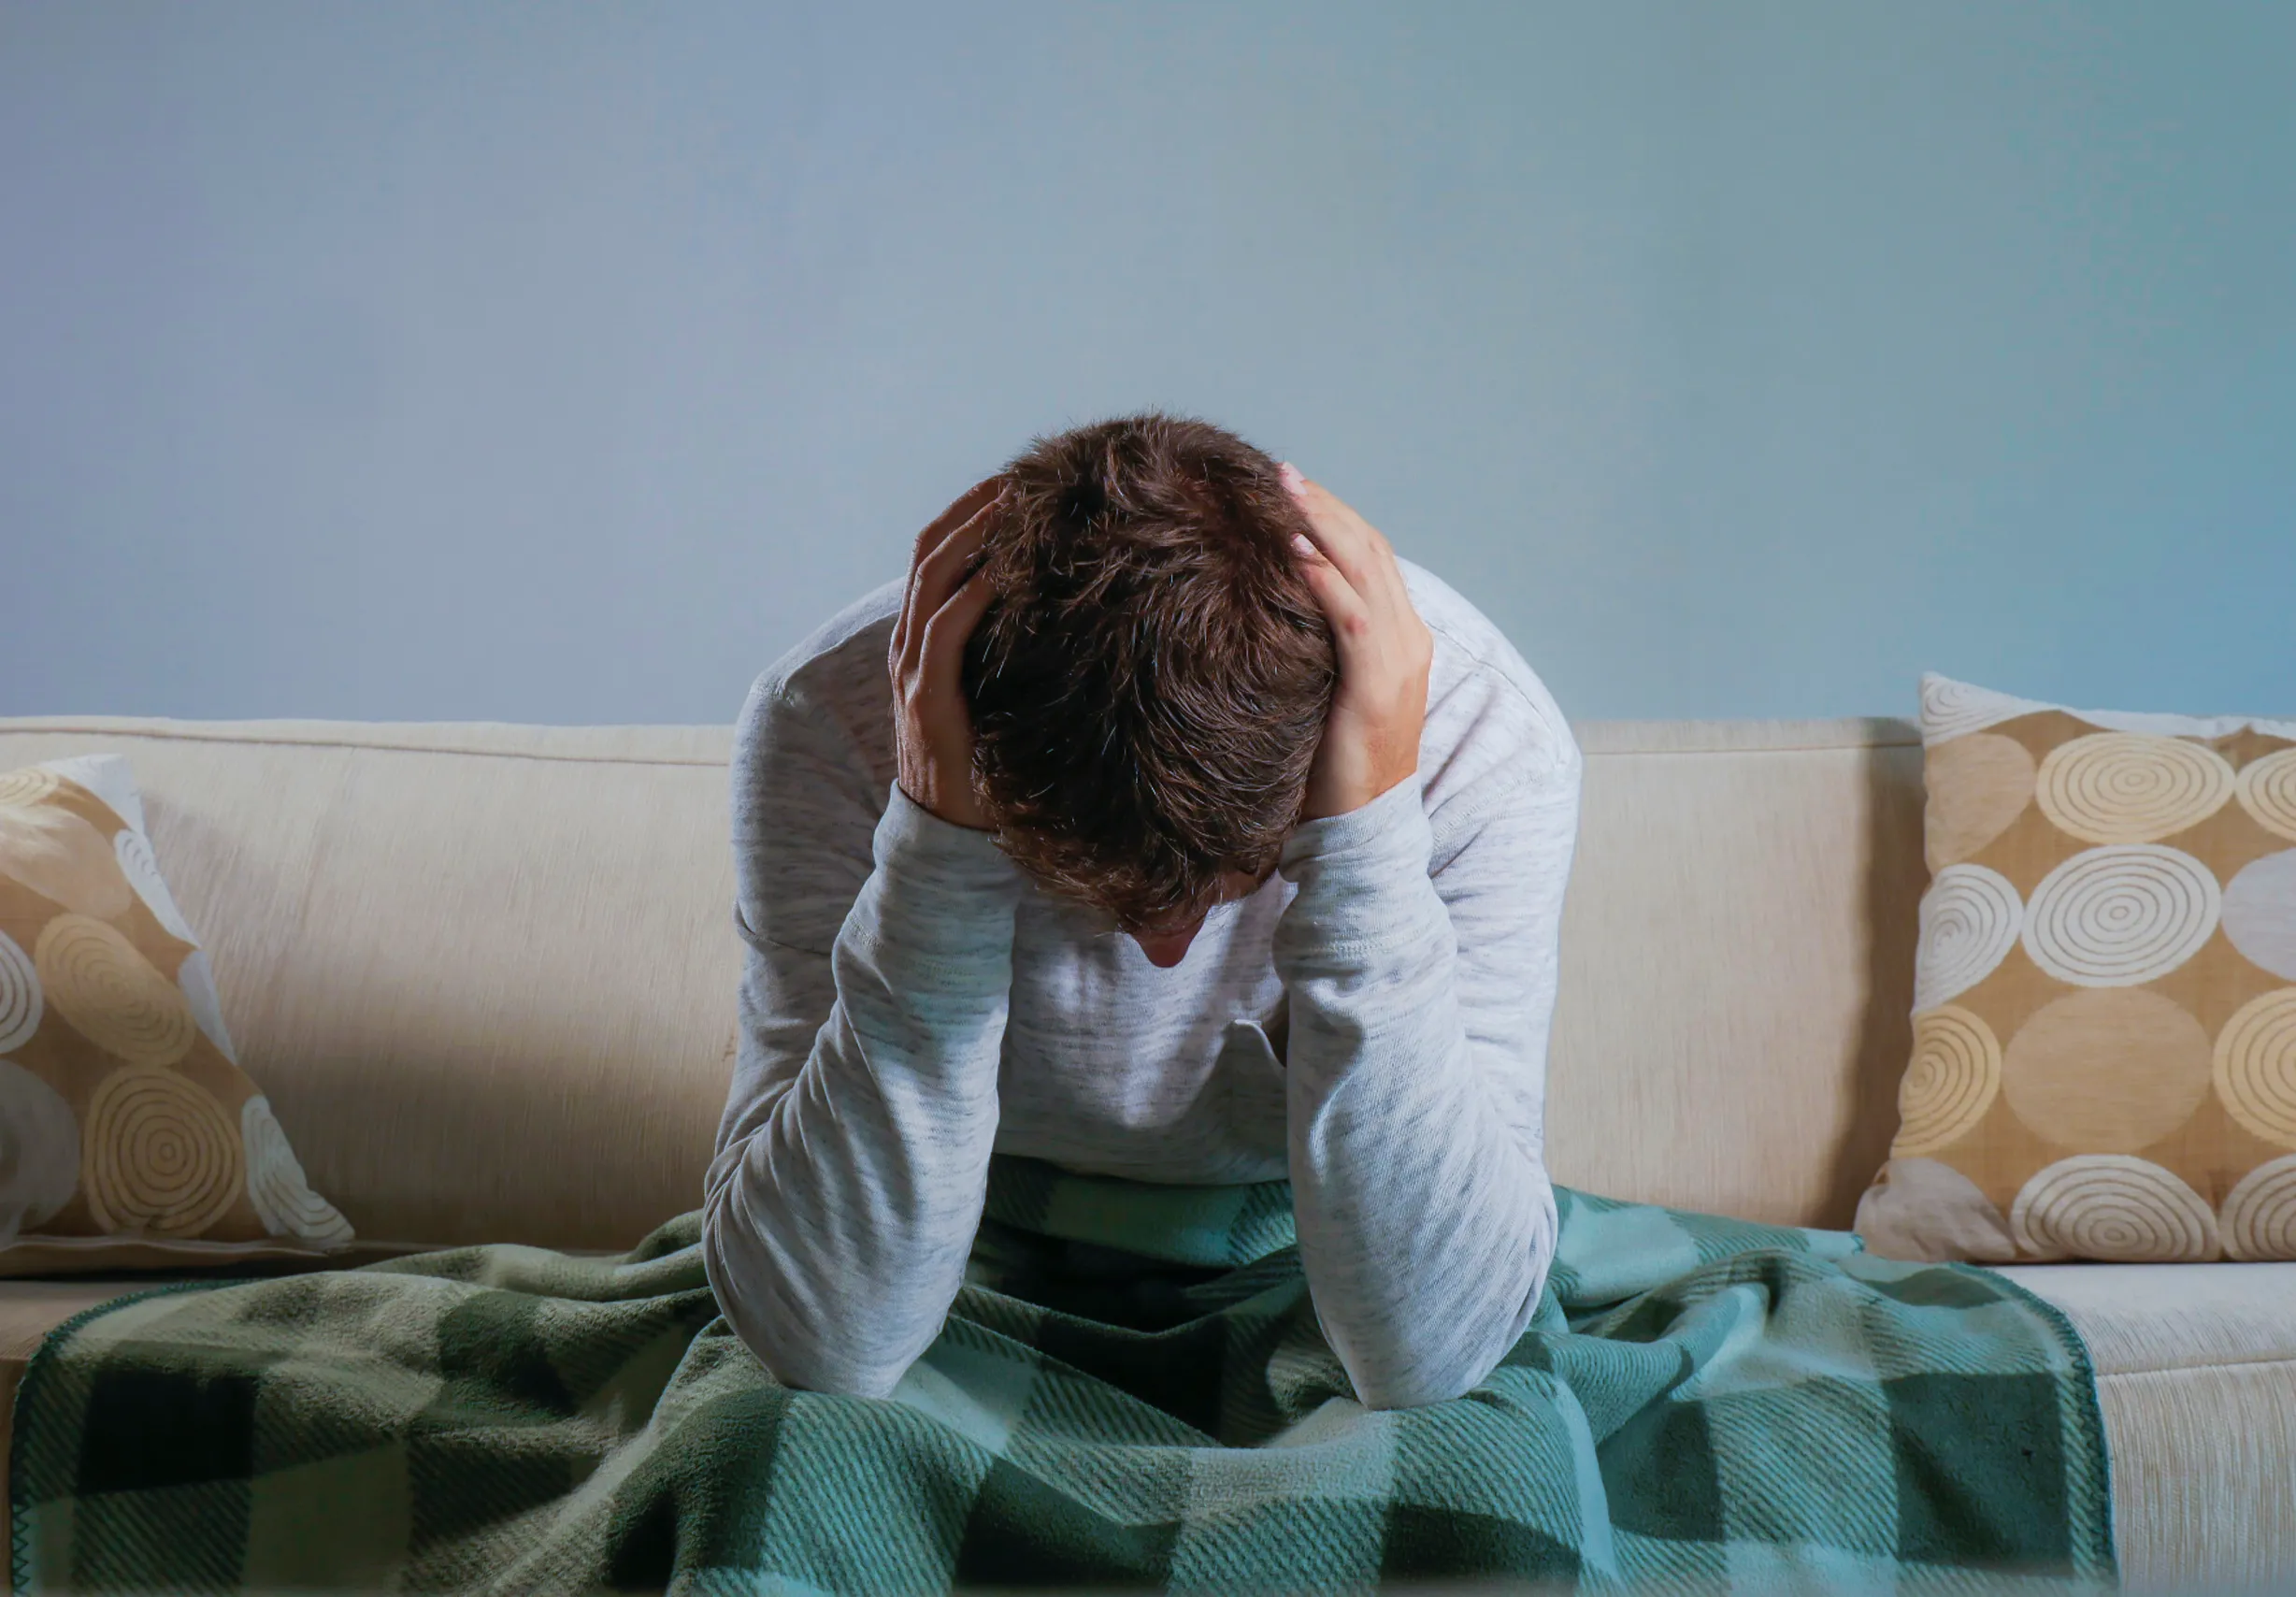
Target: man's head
{"type": "Point", "coordinates": [1150, 680]}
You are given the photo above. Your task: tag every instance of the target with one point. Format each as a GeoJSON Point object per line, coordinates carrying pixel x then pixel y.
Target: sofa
{"type": "Point", "coordinates": [485, 975]}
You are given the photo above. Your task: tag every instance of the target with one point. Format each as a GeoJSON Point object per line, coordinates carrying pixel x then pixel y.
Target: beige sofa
{"type": "Point", "coordinates": [485, 975]}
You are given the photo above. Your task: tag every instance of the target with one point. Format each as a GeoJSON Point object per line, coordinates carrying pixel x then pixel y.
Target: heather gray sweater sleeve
{"type": "Point", "coordinates": [853, 1158]}
{"type": "Point", "coordinates": [1422, 989]}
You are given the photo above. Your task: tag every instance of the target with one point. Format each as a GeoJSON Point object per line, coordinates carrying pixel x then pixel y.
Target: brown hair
{"type": "Point", "coordinates": [1149, 682]}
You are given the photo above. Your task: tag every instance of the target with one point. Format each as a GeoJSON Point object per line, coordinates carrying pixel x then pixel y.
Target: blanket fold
{"type": "Point", "coordinates": [1130, 1389]}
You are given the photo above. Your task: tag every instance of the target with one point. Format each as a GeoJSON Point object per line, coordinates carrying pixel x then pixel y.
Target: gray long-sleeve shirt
{"type": "Point", "coordinates": [1371, 1024]}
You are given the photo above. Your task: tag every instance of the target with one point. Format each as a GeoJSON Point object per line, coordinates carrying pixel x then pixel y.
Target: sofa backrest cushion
{"type": "Point", "coordinates": [486, 973]}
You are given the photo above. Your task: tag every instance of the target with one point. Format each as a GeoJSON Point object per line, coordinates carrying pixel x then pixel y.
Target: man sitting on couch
{"type": "Point", "coordinates": [1190, 837]}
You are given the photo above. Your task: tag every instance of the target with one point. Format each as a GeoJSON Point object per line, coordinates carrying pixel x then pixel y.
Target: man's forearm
{"type": "Point", "coordinates": [1425, 1219]}
{"type": "Point", "coordinates": [837, 1228]}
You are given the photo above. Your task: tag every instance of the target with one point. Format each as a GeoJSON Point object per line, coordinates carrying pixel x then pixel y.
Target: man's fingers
{"type": "Point", "coordinates": [1344, 607]}
{"type": "Point", "coordinates": [1345, 539]}
{"type": "Point", "coordinates": [1376, 613]}
{"type": "Point", "coordinates": [938, 571]}
{"type": "Point", "coordinates": [952, 561]}
{"type": "Point", "coordinates": [960, 511]}
{"type": "Point", "coordinates": [946, 635]}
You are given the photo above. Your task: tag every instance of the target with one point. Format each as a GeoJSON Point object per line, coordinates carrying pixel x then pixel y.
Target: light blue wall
{"type": "Point", "coordinates": [565, 363]}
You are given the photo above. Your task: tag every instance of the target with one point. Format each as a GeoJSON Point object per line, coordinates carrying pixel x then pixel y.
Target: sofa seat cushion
{"type": "Point", "coordinates": [29, 1309]}
{"type": "Point", "coordinates": [2196, 1374]}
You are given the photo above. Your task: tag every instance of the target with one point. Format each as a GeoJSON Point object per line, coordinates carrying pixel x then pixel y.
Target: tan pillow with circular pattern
{"type": "Point", "coordinates": [2104, 997]}
{"type": "Point", "coordinates": [125, 1123]}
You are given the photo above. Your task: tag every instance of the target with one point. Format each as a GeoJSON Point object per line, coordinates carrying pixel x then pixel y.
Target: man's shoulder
{"type": "Point", "coordinates": [1481, 691]}
{"type": "Point", "coordinates": [843, 652]}
{"type": "Point", "coordinates": [830, 684]}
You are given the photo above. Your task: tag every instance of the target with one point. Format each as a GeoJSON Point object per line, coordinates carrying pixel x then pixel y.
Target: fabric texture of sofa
{"type": "Point", "coordinates": [485, 976]}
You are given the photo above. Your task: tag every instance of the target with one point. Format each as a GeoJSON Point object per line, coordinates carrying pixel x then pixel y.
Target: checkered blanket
{"type": "Point", "coordinates": [1130, 1389]}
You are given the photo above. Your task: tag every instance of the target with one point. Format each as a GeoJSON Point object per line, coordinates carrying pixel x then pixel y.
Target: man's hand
{"type": "Point", "coordinates": [1371, 740]}
{"type": "Point", "coordinates": [932, 727]}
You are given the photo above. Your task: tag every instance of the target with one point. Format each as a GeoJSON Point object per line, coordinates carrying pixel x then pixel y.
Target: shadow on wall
{"type": "Point", "coordinates": [1895, 877]}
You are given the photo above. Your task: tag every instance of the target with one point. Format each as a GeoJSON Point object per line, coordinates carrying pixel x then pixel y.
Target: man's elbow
{"type": "Point", "coordinates": [1405, 1381]}
{"type": "Point", "coordinates": [800, 1350]}
{"type": "Point", "coordinates": [1406, 1387]}
{"type": "Point", "coordinates": [1429, 1366]}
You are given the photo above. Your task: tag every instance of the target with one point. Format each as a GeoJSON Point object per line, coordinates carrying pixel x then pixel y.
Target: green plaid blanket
{"type": "Point", "coordinates": [1130, 1389]}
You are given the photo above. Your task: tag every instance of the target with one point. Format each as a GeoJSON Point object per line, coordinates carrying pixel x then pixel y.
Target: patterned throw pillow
{"type": "Point", "coordinates": [2105, 997]}
{"type": "Point", "coordinates": [124, 1116]}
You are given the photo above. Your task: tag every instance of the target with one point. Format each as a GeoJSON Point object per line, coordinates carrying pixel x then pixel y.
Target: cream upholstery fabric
{"type": "Point", "coordinates": [29, 1309]}
{"type": "Point", "coordinates": [2196, 1373]}
{"type": "Point", "coordinates": [1738, 957]}
{"type": "Point", "coordinates": [130, 1115]}
{"type": "Point", "coordinates": [486, 973]}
